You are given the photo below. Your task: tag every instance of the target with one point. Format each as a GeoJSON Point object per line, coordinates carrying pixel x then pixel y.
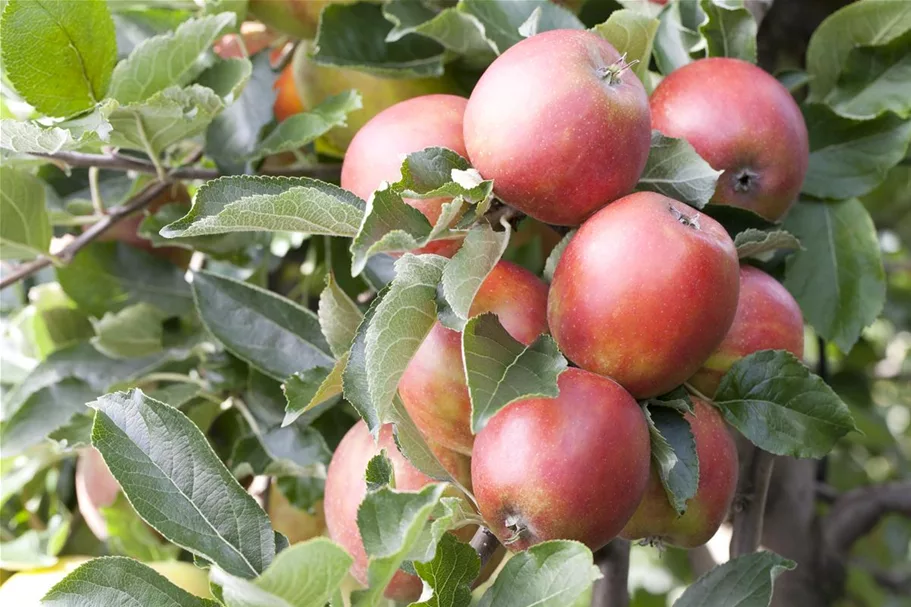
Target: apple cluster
{"type": "Point", "coordinates": [647, 295]}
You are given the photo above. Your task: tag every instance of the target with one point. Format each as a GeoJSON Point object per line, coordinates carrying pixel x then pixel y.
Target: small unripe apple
{"type": "Point", "coordinates": [377, 151]}
{"type": "Point", "coordinates": [96, 488]}
{"type": "Point", "coordinates": [295, 524]}
{"type": "Point", "coordinates": [315, 83]}
{"type": "Point", "coordinates": [573, 467]}
{"type": "Point", "coordinates": [655, 519]}
{"type": "Point", "coordinates": [767, 318]}
{"type": "Point", "coordinates": [645, 291]}
{"type": "Point", "coordinates": [26, 589]}
{"type": "Point", "coordinates": [346, 488]}
{"type": "Point", "coordinates": [433, 387]}
{"type": "Point", "coordinates": [743, 121]}
{"type": "Point", "coordinates": [561, 124]}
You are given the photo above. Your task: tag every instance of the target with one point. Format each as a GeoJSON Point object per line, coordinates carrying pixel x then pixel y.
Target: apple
{"type": "Point", "coordinates": [295, 524]}
{"type": "Point", "coordinates": [767, 318]}
{"type": "Point", "coordinates": [433, 387]}
{"type": "Point", "coordinates": [573, 467]}
{"type": "Point", "coordinates": [655, 519]}
{"type": "Point", "coordinates": [376, 152]}
{"type": "Point", "coordinates": [346, 488]}
{"type": "Point", "coordinates": [315, 83]}
{"type": "Point", "coordinates": [743, 121]}
{"type": "Point", "coordinates": [27, 588]}
{"type": "Point", "coordinates": [256, 37]}
{"type": "Point", "coordinates": [561, 124]}
{"type": "Point", "coordinates": [287, 101]}
{"type": "Point", "coordinates": [645, 291]}
{"type": "Point", "coordinates": [96, 488]}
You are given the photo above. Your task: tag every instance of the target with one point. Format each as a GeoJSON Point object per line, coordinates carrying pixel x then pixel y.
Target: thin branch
{"type": "Point", "coordinates": [136, 203]}
{"type": "Point", "coordinates": [856, 512]}
{"type": "Point", "coordinates": [326, 172]}
{"type": "Point", "coordinates": [612, 590]}
{"type": "Point", "coordinates": [485, 544]}
{"type": "Point", "coordinates": [749, 503]}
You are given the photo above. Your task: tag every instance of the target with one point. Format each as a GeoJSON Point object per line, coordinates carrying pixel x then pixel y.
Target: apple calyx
{"type": "Point", "coordinates": [613, 72]}
{"type": "Point", "coordinates": [745, 180]}
{"type": "Point", "coordinates": [514, 523]}
{"type": "Point", "coordinates": [688, 221]}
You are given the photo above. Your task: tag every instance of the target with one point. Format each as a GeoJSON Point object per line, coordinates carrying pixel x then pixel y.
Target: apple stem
{"type": "Point", "coordinates": [485, 544]}
{"type": "Point", "coordinates": [612, 73]}
{"type": "Point", "coordinates": [690, 222]}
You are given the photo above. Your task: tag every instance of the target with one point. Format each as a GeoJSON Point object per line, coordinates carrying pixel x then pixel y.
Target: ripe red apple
{"type": "Point", "coordinates": [767, 318]}
{"type": "Point", "coordinates": [433, 386]}
{"type": "Point", "coordinates": [644, 293]}
{"type": "Point", "coordinates": [346, 488]}
{"type": "Point", "coordinates": [656, 519]}
{"type": "Point", "coordinates": [573, 467]}
{"type": "Point", "coordinates": [376, 152]}
{"type": "Point", "coordinates": [742, 121]}
{"type": "Point", "coordinates": [96, 488]}
{"type": "Point", "coordinates": [561, 125]}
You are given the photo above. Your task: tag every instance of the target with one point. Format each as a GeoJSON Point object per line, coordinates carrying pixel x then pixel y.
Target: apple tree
{"type": "Point", "coordinates": [455, 302]}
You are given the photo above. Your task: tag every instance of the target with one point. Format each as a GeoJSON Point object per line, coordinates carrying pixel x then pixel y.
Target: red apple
{"type": "Point", "coordinates": [561, 124]}
{"type": "Point", "coordinates": [346, 488]}
{"type": "Point", "coordinates": [96, 488]}
{"type": "Point", "coordinates": [433, 386]}
{"type": "Point", "coordinates": [573, 467]}
{"type": "Point", "coordinates": [656, 519]}
{"type": "Point", "coordinates": [287, 101]}
{"type": "Point", "coordinates": [742, 121]}
{"type": "Point", "coordinates": [376, 152]}
{"type": "Point", "coordinates": [644, 293]}
{"type": "Point", "coordinates": [767, 318]}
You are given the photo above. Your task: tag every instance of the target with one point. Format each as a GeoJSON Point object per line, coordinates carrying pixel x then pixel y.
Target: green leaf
{"type": "Point", "coordinates": [759, 244]}
{"type": "Point", "coordinates": [391, 523]}
{"type": "Point", "coordinates": [390, 225]}
{"type": "Point", "coordinates": [551, 574]}
{"type": "Point", "coordinates": [745, 581]}
{"type": "Point", "coordinates": [678, 35]}
{"type": "Point", "coordinates": [36, 547]}
{"type": "Point", "coordinates": [270, 332]}
{"type": "Point", "coordinates": [128, 535]}
{"type": "Point", "coordinates": [673, 454]}
{"type": "Point", "coordinates": [415, 448]}
{"type": "Point", "coordinates": [52, 321]}
{"type": "Point", "coordinates": [354, 36]}
{"type": "Point", "coordinates": [305, 391]}
{"type": "Point", "coordinates": [231, 244]}
{"type": "Point", "coordinates": [297, 450]}
{"type": "Point", "coordinates": [34, 138]}
{"type": "Point", "coordinates": [550, 266]}
{"type": "Point", "coordinates": [735, 219]}
{"type": "Point", "coordinates": [58, 54]}
{"type": "Point", "coordinates": [500, 370]}
{"type": "Point", "coordinates": [133, 332]}
{"type": "Point", "coordinates": [450, 574]}
{"type": "Point", "coordinates": [304, 575]}
{"type": "Point", "coordinates": [227, 78]}
{"type": "Point", "coordinates": [177, 484]}
{"type": "Point", "coordinates": [464, 274]}
{"type": "Point", "coordinates": [306, 127]}
{"type": "Point", "coordinates": [501, 19]}
{"type": "Point", "coordinates": [380, 472]}
{"type": "Point", "coordinates": [838, 277]}
{"type": "Point", "coordinates": [234, 135]}
{"type": "Point", "coordinates": [851, 157]}
{"type": "Point", "coordinates": [167, 60]}
{"type": "Point", "coordinates": [339, 317]}
{"type": "Point", "coordinates": [869, 23]}
{"type": "Point", "coordinates": [437, 172]}
{"type": "Point", "coordinates": [44, 411]}
{"type": "Point", "coordinates": [116, 580]}
{"type": "Point", "coordinates": [401, 321]}
{"type": "Point", "coordinates": [676, 170]}
{"type": "Point", "coordinates": [25, 232]}
{"type": "Point", "coordinates": [783, 408]}
{"type": "Point", "coordinates": [165, 118]}
{"type": "Point", "coordinates": [632, 34]}
{"type": "Point", "coordinates": [875, 79]}
{"type": "Point", "coordinates": [244, 203]}
{"type": "Point", "coordinates": [458, 31]}
{"type": "Point", "coordinates": [107, 276]}
{"type": "Point", "coordinates": [730, 30]}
